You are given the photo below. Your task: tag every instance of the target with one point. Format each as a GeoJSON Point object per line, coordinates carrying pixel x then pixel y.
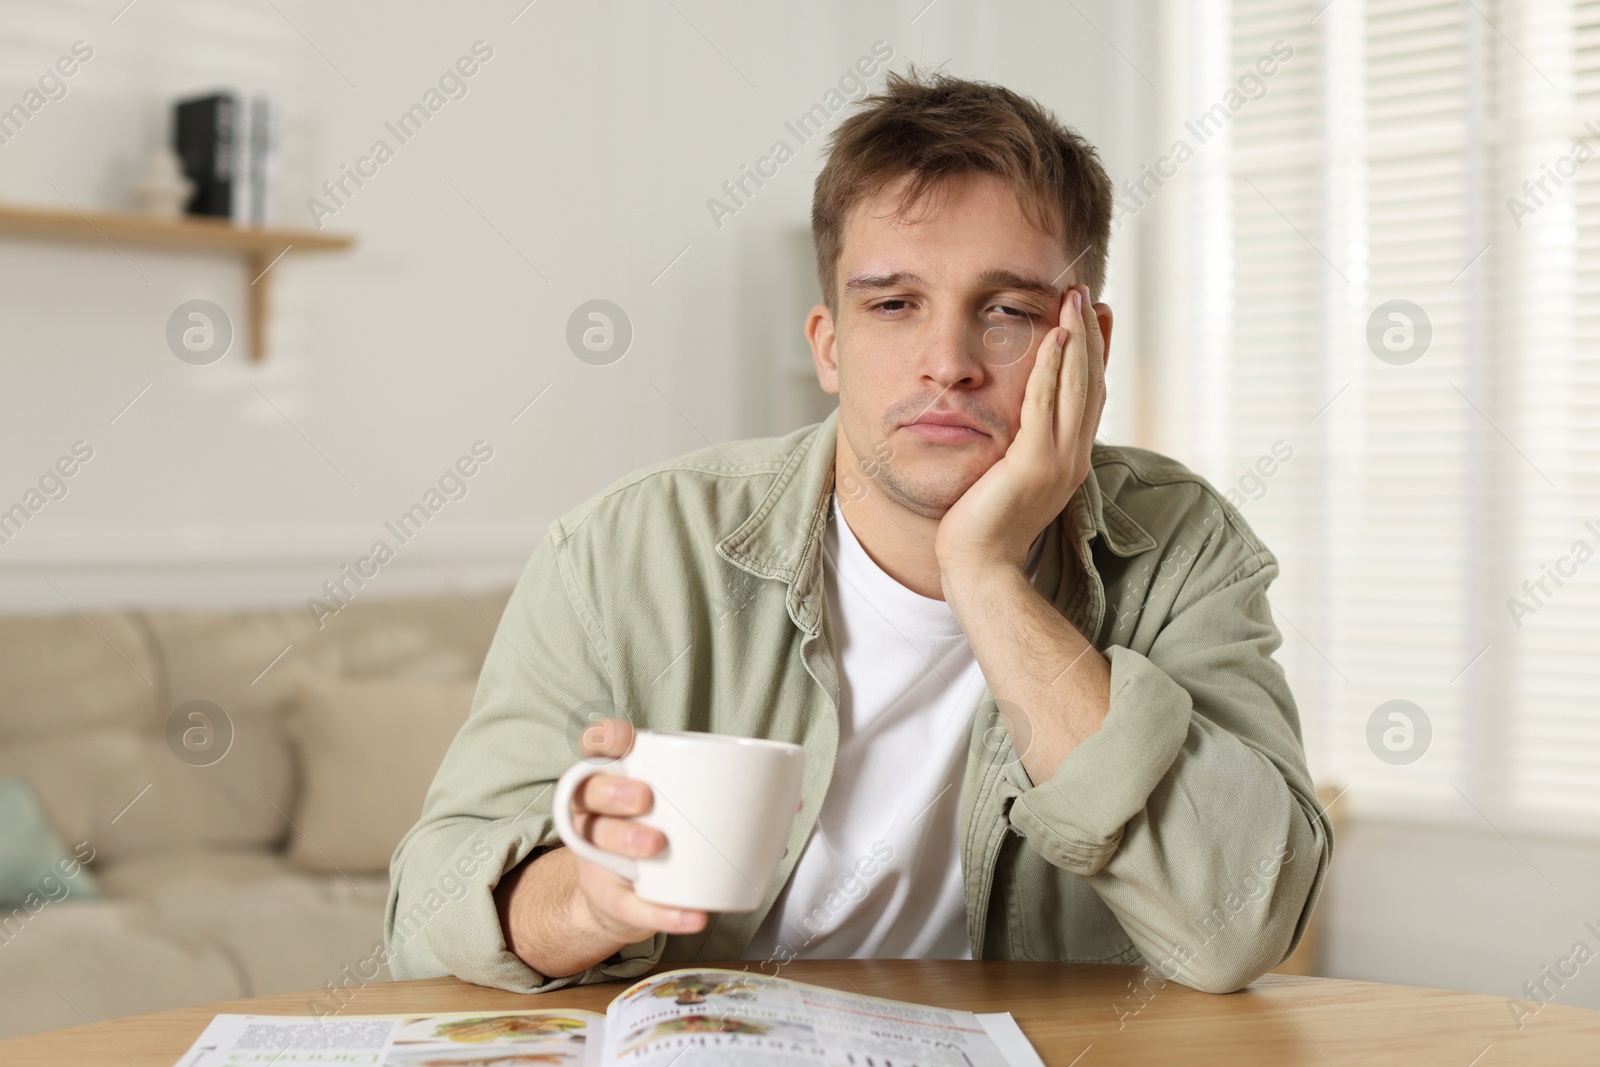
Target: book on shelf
{"type": "Point", "coordinates": [228, 143]}
{"type": "Point", "coordinates": [264, 160]}
{"type": "Point", "coordinates": [685, 1017]}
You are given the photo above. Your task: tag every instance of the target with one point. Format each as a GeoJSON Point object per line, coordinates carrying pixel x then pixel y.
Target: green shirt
{"type": "Point", "coordinates": [1185, 833]}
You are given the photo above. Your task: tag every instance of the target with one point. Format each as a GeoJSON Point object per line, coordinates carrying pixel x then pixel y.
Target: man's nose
{"type": "Point", "coordinates": [956, 352]}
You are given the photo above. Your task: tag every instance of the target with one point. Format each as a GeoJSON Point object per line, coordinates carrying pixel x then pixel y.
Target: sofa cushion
{"type": "Point", "coordinates": [96, 960]}
{"type": "Point", "coordinates": [292, 931]}
{"type": "Point", "coordinates": [285, 928]}
{"type": "Point", "coordinates": [419, 637]}
{"type": "Point", "coordinates": [89, 701]}
{"type": "Point", "coordinates": [34, 867]}
{"type": "Point", "coordinates": [126, 792]}
{"type": "Point", "coordinates": [254, 661]}
{"type": "Point", "coordinates": [198, 904]}
{"type": "Point", "coordinates": [368, 752]}
{"type": "Point", "coordinates": [65, 674]}
{"type": "Point", "coordinates": [153, 875]}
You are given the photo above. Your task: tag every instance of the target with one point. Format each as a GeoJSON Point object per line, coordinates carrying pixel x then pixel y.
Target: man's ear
{"type": "Point", "coordinates": [824, 347]}
{"type": "Point", "coordinates": [1102, 312]}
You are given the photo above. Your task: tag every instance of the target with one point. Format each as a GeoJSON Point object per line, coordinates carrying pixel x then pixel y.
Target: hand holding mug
{"type": "Point", "coordinates": [602, 810]}
{"type": "Point", "coordinates": [681, 824]}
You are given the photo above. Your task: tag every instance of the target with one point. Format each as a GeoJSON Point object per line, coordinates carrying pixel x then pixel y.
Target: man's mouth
{"type": "Point", "coordinates": [949, 427]}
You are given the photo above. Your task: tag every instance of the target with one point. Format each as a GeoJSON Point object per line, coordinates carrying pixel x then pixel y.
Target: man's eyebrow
{"type": "Point", "coordinates": [866, 283]}
{"type": "Point", "coordinates": [1000, 278]}
{"type": "Point", "coordinates": [994, 278]}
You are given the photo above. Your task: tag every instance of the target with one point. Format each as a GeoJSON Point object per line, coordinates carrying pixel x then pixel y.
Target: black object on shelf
{"type": "Point", "coordinates": [203, 133]}
{"type": "Point", "coordinates": [228, 143]}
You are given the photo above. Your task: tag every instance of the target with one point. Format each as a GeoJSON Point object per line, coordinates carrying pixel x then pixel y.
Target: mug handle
{"type": "Point", "coordinates": [561, 812]}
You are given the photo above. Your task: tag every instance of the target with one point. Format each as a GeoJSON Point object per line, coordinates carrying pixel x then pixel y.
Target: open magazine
{"type": "Point", "coordinates": [685, 1017]}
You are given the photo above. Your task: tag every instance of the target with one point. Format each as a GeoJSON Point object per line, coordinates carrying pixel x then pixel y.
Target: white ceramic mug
{"type": "Point", "coordinates": [725, 804]}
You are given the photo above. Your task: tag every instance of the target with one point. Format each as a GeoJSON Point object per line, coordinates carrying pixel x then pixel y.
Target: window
{"type": "Point", "coordinates": [1389, 345]}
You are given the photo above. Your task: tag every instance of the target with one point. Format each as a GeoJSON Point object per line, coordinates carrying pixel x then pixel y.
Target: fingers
{"type": "Point", "coordinates": [614, 903]}
{"type": "Point", "coordinates": [1094, 333]}
{"type": "Point", "coordinates": [622, 836]}
{"type": "Point", "coordinates": [602, 807]}
{"type": "Point", "coordinates": [1097, 370]}
{"type": "Point", "coordinates": [1039, 394]}
{"type": "Point", "coordinates": [1064, 317]}
{"type": "Point", "coordinates": [1091, 322]}
{"type": "Point", "coordinates": [612, 794]}
{"type": "Point", "coordinates": [1074, 394]}
{"type": "Point", "coordinates": [607, 737]}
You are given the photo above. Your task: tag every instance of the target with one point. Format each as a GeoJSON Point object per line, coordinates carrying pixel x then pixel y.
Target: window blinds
{"type": "Point", "coordinates": [1431, 356]}
{"type": "Point", "coordinates": [1554, 750]}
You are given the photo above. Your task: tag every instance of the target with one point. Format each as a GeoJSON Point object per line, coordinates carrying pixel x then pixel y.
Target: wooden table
{"type": "Point", "coordinates": [1080, 1014]}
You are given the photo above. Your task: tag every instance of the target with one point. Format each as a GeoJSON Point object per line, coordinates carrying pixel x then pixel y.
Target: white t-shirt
{"type": "Point", "coordinates": [880, 876]}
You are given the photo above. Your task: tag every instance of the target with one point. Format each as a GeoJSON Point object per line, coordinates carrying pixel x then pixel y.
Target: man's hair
{"type": "Point", "coordinates": [934, 128]}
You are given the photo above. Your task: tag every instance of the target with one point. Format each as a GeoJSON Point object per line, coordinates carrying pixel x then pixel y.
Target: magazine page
{"type": "Point", "coordinates": [696, 1016]}
{"type": "Point", "coordinates": [454, 1039]}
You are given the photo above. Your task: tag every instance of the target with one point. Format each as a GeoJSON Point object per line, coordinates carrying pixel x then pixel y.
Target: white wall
{"type": "Point", "coordinates": [590, 143]}
{"type": "Point", "coordinates": [1423, 903]}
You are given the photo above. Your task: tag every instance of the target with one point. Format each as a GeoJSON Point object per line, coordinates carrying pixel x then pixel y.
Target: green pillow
{"type": "Point", "coordinates": [34, 868]}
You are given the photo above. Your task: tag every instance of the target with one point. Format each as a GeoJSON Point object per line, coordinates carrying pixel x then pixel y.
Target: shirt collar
{"type": "Point", "coordinates": [782, 537]}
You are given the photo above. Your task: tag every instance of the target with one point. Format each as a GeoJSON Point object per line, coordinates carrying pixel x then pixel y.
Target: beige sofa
{"type": "Point", "coordinates": [265, 871]}
{"type": "Point", "coordinates": [262, 871]}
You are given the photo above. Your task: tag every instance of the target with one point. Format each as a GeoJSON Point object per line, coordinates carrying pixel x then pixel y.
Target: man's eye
{"type": "Point", "coordinates": [884, 305]}
{"type": "Point", "coordinates": [1017, 313]}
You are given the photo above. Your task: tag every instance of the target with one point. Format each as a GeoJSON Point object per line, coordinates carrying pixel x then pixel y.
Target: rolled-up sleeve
{"type": "Point", "coordinates": [488, 808]}
{"type": "Point", "coordinates": [1191, 810]}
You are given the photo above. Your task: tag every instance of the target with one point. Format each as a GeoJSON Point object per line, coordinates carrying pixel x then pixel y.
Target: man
{"type": "Point", "coordinates": [1032, 673]}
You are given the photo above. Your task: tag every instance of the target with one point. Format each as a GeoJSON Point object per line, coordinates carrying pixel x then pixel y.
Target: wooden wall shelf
{"type": "Point", "coordinates": [260, 247]}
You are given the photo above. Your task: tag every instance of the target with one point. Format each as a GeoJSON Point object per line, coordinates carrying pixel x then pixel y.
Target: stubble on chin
{"type": "Point", "coordinates": [929, 496]}
{"type": "Point", "coordinates": [927, 489]}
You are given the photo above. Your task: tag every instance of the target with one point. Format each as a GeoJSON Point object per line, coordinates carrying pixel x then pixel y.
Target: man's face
{"type": "Point", "coordinates": [938, 317]}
